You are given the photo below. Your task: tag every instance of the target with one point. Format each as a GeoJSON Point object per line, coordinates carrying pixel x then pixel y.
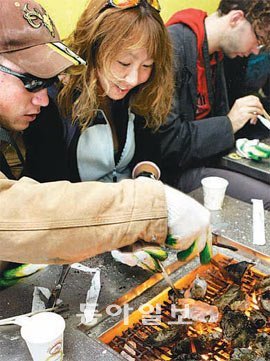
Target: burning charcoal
{"type": "Point", "coordinates": [197, 290]}
{"type": "Point", "coordinates": [264, 301]}
{"type": "Point", "coordinates": [237, 270]}
{"type": "Point", "coordinates": [257, 319]}
{"type": "Point", "coordinates": [202, 343]}
{"type": "Point", "coordinates": [261, 345]}
{"type": "Point", "coordinates": [245, 354]}
{"type": "Point", "coordinates": [235, 298]}
{"type": "Point", "coordinates": [166, 336]}
{"type": "Point", "coordinates": [173, 297]}
{"type": "Point", "coordinates": [237, 328]}
{"type": "Point", "coordinates": [198, 310]}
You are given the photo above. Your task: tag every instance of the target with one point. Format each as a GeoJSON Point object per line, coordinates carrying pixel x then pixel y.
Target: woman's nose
{"type": "Point", "coordinates": [132, 78]}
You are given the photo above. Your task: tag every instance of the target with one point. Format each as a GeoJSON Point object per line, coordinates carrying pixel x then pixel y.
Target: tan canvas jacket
{"type": "Point", "coordinates": [62, 222]}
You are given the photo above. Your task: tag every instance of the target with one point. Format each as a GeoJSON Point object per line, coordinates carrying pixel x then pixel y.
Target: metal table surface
{"type": "Point", "coordinates": [257, 170]}
{"type": "Point", "coordinates": [234, 221]}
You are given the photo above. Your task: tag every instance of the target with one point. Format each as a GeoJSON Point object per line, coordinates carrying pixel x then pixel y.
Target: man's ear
{"type": "Point", "coordinates": [235, 17]}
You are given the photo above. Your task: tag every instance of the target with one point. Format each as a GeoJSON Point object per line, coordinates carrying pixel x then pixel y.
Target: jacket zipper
{"type": "Point", "coordinates": [114, 175]}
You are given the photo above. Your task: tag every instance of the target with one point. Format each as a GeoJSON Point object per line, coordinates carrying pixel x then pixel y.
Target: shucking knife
{"type": "Point", "coordinates": [58, 288]}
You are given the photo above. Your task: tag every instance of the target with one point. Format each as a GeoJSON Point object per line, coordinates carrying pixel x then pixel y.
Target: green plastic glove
{"type": "Point", "coordinates": [252, 149]}
{"type": "Point", "coordinates": [189, 227]}
{"type": "Point", "coordinates": [141, 254]}
{"type": "Point", "coordinates": [11, 276]}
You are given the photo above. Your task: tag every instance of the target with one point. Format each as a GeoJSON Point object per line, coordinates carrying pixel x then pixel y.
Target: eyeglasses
{"type": "Point", "coordinates": [30, 82]}
{"type": "Point", "coordinates": [128, 4]}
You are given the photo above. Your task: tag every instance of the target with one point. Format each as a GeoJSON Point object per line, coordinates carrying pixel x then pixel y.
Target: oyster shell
{"type": "Point", "coordinates": [237, 328]}
{"type": "Point", "coordinates": [261, 345]}
{"type": "Point", "coordinates": [264, 300]}
{"type": "Point", "coordinates": [237, 270]}
{"type": "Point", "coordinates": [245, 354]}
{"type": "Point", "coordinates": [257, 319]}
{"type": "Point", "coordinates": [234, 297]}
{"type": "Point", "coordinates": [197, 290]}
{"type": "Point", "coordinates": [166, 336]}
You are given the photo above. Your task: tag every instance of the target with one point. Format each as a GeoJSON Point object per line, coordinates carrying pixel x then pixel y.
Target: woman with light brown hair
{"type": "Point", "coordinates": [106, 32]}
{"type": "Point", "coordinates": [110, 105]}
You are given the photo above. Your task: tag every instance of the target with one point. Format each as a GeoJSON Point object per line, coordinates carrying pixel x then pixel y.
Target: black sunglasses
{"type": "Point", "coordinates": [30, 82]}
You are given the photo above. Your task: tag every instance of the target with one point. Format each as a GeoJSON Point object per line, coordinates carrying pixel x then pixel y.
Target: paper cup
{"type": "Point", "coordinates": [43, 334]}
{"type": "Point", "coordinates": [214, 189]}
{"type": "Point", "coordinates": [146, 167]}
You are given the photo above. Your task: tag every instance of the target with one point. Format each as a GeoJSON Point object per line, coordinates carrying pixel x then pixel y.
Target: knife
{"type": "Point", "coordinates": [58, 288]}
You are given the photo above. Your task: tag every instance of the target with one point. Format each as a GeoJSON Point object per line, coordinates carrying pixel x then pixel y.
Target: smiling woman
{"type": "Point", "coordinates": [126, 86]}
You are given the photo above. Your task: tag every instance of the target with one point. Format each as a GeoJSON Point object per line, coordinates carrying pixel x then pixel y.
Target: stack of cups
{"type": "Point", "coordinates": [214, 189]}
{"type": "Point", "coordinates": [43, 334]}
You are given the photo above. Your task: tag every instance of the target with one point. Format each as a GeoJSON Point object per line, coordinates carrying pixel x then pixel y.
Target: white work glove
{"type": "Point", "coordinates": [252, 149]}
{"type": "Point", "coordinates": [141, 254]}
{"type": "Point", "coordinates": [188, 231]}
{"type": "Point", "coordinates": [188, 226]}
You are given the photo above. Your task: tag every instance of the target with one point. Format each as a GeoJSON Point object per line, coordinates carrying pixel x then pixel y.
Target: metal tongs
{"type": "Point", "coordinates": [216, 237]}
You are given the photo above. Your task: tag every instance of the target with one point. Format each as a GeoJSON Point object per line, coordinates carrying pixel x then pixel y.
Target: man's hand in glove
{"type": "Point", "coordinates": [252, 149]}
{"type": "Point", "coordinates": [142, 254]}
{"type": "Point", "coordinates": [188, 226]}
{"type": "Point", "coordinates": [188, 231]}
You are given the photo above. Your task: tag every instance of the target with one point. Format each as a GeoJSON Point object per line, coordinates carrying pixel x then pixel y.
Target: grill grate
{"type": "Point", "coordinates": [131, 339]}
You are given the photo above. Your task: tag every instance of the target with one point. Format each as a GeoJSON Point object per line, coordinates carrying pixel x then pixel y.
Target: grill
{"type": "Point", "coordinates": [128, 337]}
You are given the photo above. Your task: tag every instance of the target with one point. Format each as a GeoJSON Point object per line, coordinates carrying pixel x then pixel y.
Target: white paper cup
{"type": "Point", "coordinates": [148, 167]}
{"type": "Point", "coordinates": [214, 189]}
{"type": "Point", "coordinates": [43, 334]}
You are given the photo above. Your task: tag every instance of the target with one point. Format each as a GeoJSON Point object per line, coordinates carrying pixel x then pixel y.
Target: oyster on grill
{"type": "Point", "coordinates": [264, 300]}
{"type": "Point", "coordinates": [166, 336]}
{"type": "Point", "coordinates": [237, 328]}
{"type": "Point", "coordinates": [237, 270]}
{"type": "Point", "coordinates": [261, 345]}
{"type": "Point", "coordinates": [245, 354]}
{"type": "Point", "coordinates": [234, 297]}
{"type": "Point", "coordinates": [257, 319]}
{"type": "Point", "coordinates": [197, 290]}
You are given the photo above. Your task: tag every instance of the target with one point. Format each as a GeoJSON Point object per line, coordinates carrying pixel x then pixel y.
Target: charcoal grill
{"type": "Point", "coordinates": [129, 337]}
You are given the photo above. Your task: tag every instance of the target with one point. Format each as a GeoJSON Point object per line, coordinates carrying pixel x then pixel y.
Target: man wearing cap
{"type": "Point", "coordinates": [61, 222]}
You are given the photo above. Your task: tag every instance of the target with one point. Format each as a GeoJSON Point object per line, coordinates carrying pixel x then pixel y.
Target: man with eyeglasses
{"type": "Point", "coordinates": [62, 222]}
{"type": "Point", "coordinates": [201, 127]}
